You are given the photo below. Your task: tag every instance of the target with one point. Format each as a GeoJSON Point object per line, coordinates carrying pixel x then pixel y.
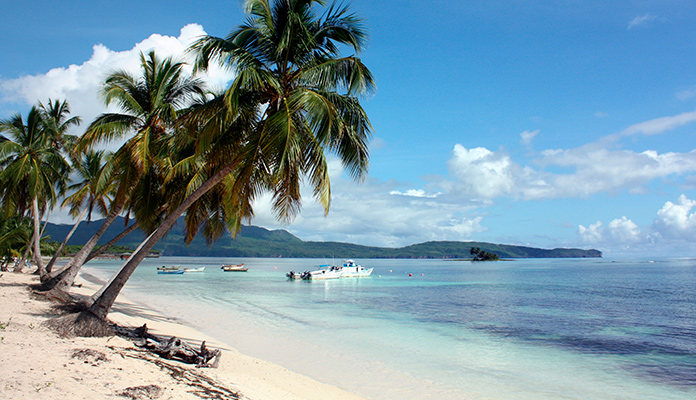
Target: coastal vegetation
{"type": "Point", "coordinates": [254, 241]}
{"type": "Point", "coordinates": [482, 255]}
{"type": "Point", "coordinates": [189, 152]}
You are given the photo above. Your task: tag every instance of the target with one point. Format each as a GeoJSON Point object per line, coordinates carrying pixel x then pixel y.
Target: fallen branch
{"type": "Point", "coordinates": [173, 347]}
{"type": "Point", "coordinates": [200, 384]}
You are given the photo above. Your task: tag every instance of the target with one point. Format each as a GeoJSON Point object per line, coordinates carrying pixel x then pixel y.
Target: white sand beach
{"type": "Point", "coordinates": [35, 363]}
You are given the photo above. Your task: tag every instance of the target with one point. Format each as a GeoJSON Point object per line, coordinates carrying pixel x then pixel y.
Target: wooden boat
{"type": "Point", "coordinates": [234, 268]}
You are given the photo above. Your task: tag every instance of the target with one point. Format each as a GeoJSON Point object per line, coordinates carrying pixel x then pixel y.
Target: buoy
{"type": "Point", "coordinates": [422, 275]}
{"type": "Point", "coordinates": [410, 274]}
{"type": "Point", "coordinates": [390, 270]}
{"type": "Point", "coordinates": [275, 267]}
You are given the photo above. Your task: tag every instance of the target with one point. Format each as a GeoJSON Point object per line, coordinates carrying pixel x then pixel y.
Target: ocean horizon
{"type": "Point", "coordinates": [441, 329]}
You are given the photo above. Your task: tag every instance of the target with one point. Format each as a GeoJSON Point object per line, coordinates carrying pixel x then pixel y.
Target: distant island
{"type": "Point", "coordinates": [255, 241]}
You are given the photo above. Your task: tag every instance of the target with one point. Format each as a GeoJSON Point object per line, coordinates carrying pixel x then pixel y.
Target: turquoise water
{"type": "Point", "coordinates": [524, 329]}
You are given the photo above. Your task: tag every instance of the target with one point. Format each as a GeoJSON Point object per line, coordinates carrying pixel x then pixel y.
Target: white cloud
{"type": "Point", "coordinates": [674, 228]}
{"type": "Point", "coordinates": [641, 20]}
{"type": "Point", "coordinates": [80, 84]}
{"type": "Point", "coordinates": [676, 221]}
{"type": "Point", "coordinates": [601, 114]}
{"type": "Point", "coordinates": [591, 235]}
{"type": "Point", "coordinates": [414, 193]}
{"type": "Point", "coordinates": [527, 136]}
{"type": "Point", "coordinates": [686, 94]}
{"type": "Point", "coordinates": [376, 213]}
{"type": "Point", "coordinates": [623, 230]}
{"type": "Point", "coordinates": [482, 173]}
{"type": "Point", "coordinates": [660, 125]}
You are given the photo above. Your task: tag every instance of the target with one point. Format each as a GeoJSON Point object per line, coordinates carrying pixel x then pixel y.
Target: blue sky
{"type": "Point", "coordinates": [547, 123]}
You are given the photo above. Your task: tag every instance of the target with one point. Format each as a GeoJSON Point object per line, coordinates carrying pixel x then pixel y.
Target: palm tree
{"type": "Point", "coordinates": [92, 191]}
{"type": "Point", "coordinates": [15, 233]}
{"type": "Point", "coordinates": [32, 168]}
{"type": "Point", "coordinates": [304, 98]}
{"type": "Point", "coordinates": [149, 106]}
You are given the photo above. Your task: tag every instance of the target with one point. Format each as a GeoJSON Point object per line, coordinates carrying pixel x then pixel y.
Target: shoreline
{"type": "Point", "coordinates": [36, 363]}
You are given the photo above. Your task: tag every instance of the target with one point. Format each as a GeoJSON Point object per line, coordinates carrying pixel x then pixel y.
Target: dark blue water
{"type": "Point", "coordinates": [510, 329]}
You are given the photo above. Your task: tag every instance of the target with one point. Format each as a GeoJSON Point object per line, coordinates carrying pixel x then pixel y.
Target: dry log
{"type": "Point", "coordinates": [173, 347]}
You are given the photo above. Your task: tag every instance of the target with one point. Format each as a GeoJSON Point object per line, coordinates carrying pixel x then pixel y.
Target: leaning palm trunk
{"type": "Point", "coordinates": [37, 239]}
{"type": "Point", "coordinates": [99, 292]}
{"type": "Point", "coordinates": [101, 306]}
{"type": "Point", "coordinates": [49, 267]}
{"type": "Point", "coordinates": [63, 280]}
{"type": "Point", "coordinates": [19, 265]}
{"type": "Point", "coordinates": [103, 248]}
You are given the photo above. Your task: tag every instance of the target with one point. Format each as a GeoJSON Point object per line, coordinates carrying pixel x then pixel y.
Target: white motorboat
{"type": "Point", "coordinates": [199, 269]}
{"type": "Point", "coordinates": [327, 272]}
{"type": "Point", "coordinates": [351, 269]}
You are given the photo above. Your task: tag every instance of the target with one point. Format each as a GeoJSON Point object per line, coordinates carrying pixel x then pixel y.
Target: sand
{"type": "Point", "coordinates": [35, 363]}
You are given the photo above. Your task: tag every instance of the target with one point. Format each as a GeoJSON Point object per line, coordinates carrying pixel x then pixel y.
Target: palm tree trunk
{"type": "Point", "coordinates": [37, 239]}
{"type": "Point", "coordinates": [101, 306]}
{"type": "Point", "coordinates": [49, 267]}
{"type": "Point", "coordinates": [63, 280]}
{"type": "Point", "coordinates": [113, 241]}
{"type": "Point", "coordinates": [99, 292]}
{"type": "Point", "coordinates": [19, 265]}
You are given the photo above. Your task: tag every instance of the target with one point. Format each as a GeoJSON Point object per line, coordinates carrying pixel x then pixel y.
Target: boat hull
{"type": "Point", "coordinates": [234, 268]}
{"type": "Point", "coordinates": [323, 274]}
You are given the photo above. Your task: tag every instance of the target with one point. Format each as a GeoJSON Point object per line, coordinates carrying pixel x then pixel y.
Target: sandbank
{"type": "Point", "coordinates": [35, 363]}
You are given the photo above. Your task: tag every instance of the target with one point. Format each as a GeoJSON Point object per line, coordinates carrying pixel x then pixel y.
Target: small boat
{"type": "Point", "coordinates": [170, 271]}
{"type": "Point", "coordinates": [199, 269]}
{"type": "Point", "coordinates": [351, 269]}
{"type": "Point", "coordinates": [298, 275]}
{"type": "Point", "coordinates": [325, 272]}
{"type": "Point", "coordinates": [234, 268]}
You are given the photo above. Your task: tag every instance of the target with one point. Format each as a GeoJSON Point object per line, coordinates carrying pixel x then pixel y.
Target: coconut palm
{"type": "Point", "coordinates": [32, 168]}
{"type": "Point", "coordinates": [15, 234]}
{"type": "Point", "coordinates": [304, 98]}
{"type": "Point", "coordinates": [92, 191]}
{"type": "Point", "coordinates": [149, 106]}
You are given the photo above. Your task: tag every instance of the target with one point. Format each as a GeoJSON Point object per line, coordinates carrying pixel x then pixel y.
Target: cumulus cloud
{"type": "Point", "coordinates": [483, 173]}
{"type": "Point", "coordinates": [375, 213]}
{"type": "Point", "coordinates": [676, 220]}
{"type": "Point", "coordinates": [593, 234]}
{"type": "Point", "coordinates": [80, 84]}
{"type": "Point", "coordinates": [620, 234]}
{"type": "Point", "coordinates": [675, 226]}
{"type": "Point", "coordinates": [641, 20]}
{"type": "Point", "coordinates": [480, 172]}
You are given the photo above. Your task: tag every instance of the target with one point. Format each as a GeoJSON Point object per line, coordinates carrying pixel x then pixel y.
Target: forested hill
{"type": "Point", "coordinates": [254, 241]}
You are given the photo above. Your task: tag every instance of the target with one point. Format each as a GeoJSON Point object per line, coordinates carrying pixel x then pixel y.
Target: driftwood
{"type": "Point", "coordinates": [173, 347]}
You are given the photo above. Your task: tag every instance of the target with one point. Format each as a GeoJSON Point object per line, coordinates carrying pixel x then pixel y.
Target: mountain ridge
{"type": "Point", "coordinates": [255, 241]}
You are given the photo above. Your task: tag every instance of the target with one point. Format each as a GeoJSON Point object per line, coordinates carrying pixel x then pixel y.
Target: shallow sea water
{"type": "Point", "coordinates": [523, 329]}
